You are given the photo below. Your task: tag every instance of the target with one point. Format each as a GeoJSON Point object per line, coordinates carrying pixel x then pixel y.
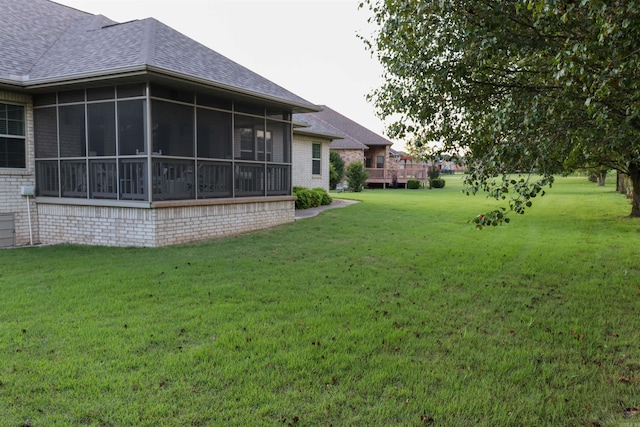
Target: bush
{"type": "Point", "coordinates": [336, 169]}
{"type": "Point", "coordinates": [303, 195]}
{"type": "Point", "coordinates": [356, 176]}
{"type": "Point", "coordinates": [413, 184]}
{"type": "Point", "coordinates": [307, 198]}
{"type": "Point", "coordinates": [325, 199]}
{"type": "Point", "coordinates": [437, 183]}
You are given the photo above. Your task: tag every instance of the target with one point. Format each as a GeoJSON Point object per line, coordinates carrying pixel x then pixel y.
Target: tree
{"type": "Point", "coordinates": [356, 176]}
{"type": "Point", "coordinates": [531, 87]}
{"type": "Point", "coordinates": [336, 169]}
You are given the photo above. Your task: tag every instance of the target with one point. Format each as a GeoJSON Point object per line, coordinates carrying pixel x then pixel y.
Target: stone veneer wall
{"type": "Point", "coordinates": [12, 180]}
{"type": "Point", "coordinates": [159, 226]}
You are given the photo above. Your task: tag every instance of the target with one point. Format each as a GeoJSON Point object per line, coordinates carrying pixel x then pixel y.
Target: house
{"type": "Point", "coordinates": [311, 141]}
{"type": "Point", "coordinates": [358, 143]}
{"type": "Point", "coordinates": [132, 134]}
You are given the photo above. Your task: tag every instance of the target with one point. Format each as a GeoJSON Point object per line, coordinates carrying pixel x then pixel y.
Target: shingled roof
{"type": "Point", "coordinates": [355, 136]}
{"type": "Point", "coordinates": [309, 124]}
{"type": "Point", "coordinates": [43, 42]}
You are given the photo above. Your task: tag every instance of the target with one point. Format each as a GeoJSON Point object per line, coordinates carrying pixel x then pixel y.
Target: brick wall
{"type": "Point", "coordinates": [11, 180]}
{"type": "Point", "coordinates": [159, 226]}
{"type": "Point", "coordinates": [350, 156]}
{"type": "Point", "coordinates": [302, 156]}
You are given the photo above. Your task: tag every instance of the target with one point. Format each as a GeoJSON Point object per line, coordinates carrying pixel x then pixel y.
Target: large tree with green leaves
{"type": "Point", "coordinates": [532, 87]}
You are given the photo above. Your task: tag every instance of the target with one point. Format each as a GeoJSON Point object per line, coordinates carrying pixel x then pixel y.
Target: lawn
{"type": "Point", "coordinates": [393, 311]}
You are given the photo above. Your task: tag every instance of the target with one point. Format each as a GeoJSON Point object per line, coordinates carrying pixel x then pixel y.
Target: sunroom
{"type": "Point", "coordinates": [149, 163]}
{"type": "Point", "coordinates": [136, 144]}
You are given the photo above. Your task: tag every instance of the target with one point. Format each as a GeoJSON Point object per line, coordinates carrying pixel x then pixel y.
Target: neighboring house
{"type": "Point", "coordinates": [372, 150]}
{"type": "Point", "coordinates": [132, 134]}
{"type": "Point", "coordinates": [311, 141]}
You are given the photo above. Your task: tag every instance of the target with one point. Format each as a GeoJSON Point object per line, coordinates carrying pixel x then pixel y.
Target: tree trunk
{"type": "Point", "coordinates": [634, 176]}
{"type": "Point", "coordinates": [602, 176]}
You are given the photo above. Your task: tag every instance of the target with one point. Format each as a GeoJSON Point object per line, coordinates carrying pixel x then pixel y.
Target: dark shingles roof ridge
{"type": "Point", "coordinates": [309, 124]}
{"type": "Point", "coordinates": [347, 142]}
{"type": "Point", "coordinates": [93, 18]}
{"type": "Point", "coordinates": [27, 30]}
{"type": "Point", "coordinates": [355, 130]}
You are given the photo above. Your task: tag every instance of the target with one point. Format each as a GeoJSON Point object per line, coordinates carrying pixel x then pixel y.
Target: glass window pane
{"type": "Point", "coordinates": [131, 127]}
{"type": "Point", "coordinates": [45, 122]}
{"type": "Point", "coordinates": [101, 119]}
{"type": "Point", "coordinates": [248, 140]}
{"type": "Point", "coordinates": [12, 153]}
{"type": "Point", "coordinates": [214, 134]}
{"type": "Point", "coordinates": [72, 131]}
{"type": "Point", "coordinates": [173, 127]}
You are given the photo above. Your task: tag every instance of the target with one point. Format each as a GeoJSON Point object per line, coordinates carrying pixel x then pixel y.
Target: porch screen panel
{"type": "Point", "coordinates": [280, 145]}
{"type": "Point", "coordinates": [103, 179]}
{"type": "Point", "coordinates": [46, 131]}
{"type": "Point", "coordinates": [71, 127]}
{"type": "Point", "coordinates": [131, 126]}
{"type": "Point", "coordinates": [215, 179]}
{"type": "Point", "coordinates": [102, 129]}
{"type": "Point", "coordinates": [173, 179]}
{"type": "Point", "coordinates": [248, 138]}
{"type": "Point", "coordinates": [73, 178]}
{"type": "Point", "coordinates": [173, 129]}
{"type": "Point", "coordinates": [249, 180]}
{"type": "Point", "coordinates": [47, 178]}
{"type": "Point", "coordinates": [214, 134]}
{"type": "Point", "coordinates": [278, 180]}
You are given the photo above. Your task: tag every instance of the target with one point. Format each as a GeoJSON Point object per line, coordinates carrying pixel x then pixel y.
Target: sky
{"type": "Point", "coordinates": [309, 47]}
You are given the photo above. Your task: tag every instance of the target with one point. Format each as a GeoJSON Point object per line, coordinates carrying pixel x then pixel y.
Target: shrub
{"type": "Point", "coordinates": [413, 184]}
{"type": "Point", "coordinates": [307, 198]}
{"type": "Point", "coordinates": [303, 195]}
{"type": "Point", "coordinates": [336, 169]}
{"type": "Point", "coordinates": [356, 176]}
{"type": "Point", "coordinates": [437, 183]}
{"type": "Point", "coordinates": [433, 173]}
{"type": "Point", "coordinates": [325, 199]}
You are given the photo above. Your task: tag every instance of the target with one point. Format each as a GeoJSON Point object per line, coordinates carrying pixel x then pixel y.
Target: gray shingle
{"type": "Point", "coordinates": [44, 42]}
{"type": "Point", "coordinates": [356, 136]}
{"type": "Point", "coordinates": [28, 28]}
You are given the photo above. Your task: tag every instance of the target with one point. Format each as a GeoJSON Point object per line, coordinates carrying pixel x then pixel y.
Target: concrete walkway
{"type": "Point", "coordinates": [311, 212]}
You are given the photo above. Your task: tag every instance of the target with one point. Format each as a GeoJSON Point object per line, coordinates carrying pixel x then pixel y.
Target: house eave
{"type": "Point", "coordinates": [302, 131]}
{"type": "Point", "coordinates": [149, 70]}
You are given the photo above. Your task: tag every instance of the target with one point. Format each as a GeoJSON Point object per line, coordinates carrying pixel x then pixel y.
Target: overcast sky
{"type": "Point", "coordinates": [310, 47]}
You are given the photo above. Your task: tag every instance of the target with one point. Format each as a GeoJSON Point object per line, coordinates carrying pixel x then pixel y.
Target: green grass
{"type": "Point", "coordinates": [393, 311]}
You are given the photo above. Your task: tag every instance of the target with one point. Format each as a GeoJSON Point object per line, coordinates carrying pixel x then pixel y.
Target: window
{"type": "Point", "coordinates": [12, 137]}
{"type": "Point", "coordinates": [316, 160]}
{"type": "Point", "coordinates": [380, 162]}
